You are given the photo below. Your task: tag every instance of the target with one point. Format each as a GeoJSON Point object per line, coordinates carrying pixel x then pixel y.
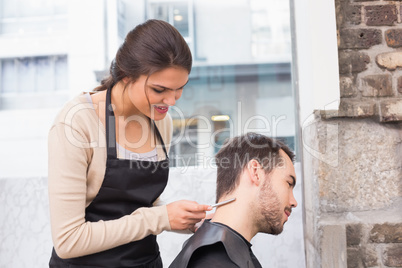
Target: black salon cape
{"type": "Point", "coordinates": [216, 245]}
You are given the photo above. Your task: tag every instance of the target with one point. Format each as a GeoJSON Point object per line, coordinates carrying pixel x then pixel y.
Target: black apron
{"type": "Point", "coordinates": [127, 186]}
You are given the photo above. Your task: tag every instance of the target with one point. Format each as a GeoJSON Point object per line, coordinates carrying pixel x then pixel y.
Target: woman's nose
{"type": "Point", "coordinates": [170, 98]}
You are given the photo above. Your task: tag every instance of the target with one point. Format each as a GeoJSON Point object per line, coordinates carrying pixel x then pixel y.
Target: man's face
{"type": "Point", "coordinates": [276, 198]}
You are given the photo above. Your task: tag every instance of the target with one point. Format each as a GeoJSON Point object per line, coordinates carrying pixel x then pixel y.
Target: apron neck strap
{"type": "Point", "coordinates": [159, 136]}
{"type": "Point", "coordinates": [111, 128]}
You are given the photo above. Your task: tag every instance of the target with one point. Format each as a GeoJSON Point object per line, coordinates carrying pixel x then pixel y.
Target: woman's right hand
{"type": "Point", "coordinates": [184, 214]}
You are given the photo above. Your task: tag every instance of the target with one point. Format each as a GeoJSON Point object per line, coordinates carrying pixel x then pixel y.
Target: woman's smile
{"type": "Point", "coordinates": [161, 109]}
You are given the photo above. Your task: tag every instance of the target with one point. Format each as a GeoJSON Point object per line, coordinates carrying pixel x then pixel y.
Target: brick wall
{"type": "Point", "coordinates": [378, 245]}
{"type": "Point", "coordinates": [352, 158]}
{"type": "Point", "coordinates": [370, 68]}
{"type": "Point", "coordinates": [353, 193]}
{"type": "Point", "coordinates": [370, 59]}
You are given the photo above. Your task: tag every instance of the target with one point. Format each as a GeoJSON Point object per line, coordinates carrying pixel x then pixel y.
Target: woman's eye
{"type": "Point", "coordinates": [158, 90]}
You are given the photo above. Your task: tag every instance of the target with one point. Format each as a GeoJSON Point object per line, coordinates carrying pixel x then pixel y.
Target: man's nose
{"type": "Point", "coordinates": [293, 202]}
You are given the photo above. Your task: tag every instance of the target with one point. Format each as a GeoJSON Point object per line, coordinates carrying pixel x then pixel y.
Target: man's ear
{"type": "Point", "coordinates": [254, 171]}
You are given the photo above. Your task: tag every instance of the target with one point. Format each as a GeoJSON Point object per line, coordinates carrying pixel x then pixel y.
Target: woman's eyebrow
{"type": "Point", "coordinates": [156, 85]}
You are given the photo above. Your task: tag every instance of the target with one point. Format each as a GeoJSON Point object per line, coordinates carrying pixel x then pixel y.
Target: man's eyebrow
{"type": "Point", "coordinates": [170, 88]}
{"type": "Point", "coordinates": [294, 180]}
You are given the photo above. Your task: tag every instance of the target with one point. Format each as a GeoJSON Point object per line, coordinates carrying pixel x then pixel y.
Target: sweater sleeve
{"type": "Point", "coordinates": [69, 160]}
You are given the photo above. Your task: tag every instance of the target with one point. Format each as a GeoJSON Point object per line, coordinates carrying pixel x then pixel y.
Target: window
{"type": "Point", "coordinates": [177, 13]}
{"type": "Point", "coordinates": [270, 29]}
{"type": "Point", "coordinates": [121, 18]}
{"type": "Point", "coordinates": [241, 76]}
{"type": "Point", "coordinates": [24, 79]}
{"type": "Point", "coordinates": [40, 74]}
{"type": "Point", "coordinates": [220, 102]}
{"type": "Point", "coordinates": [33, 16]}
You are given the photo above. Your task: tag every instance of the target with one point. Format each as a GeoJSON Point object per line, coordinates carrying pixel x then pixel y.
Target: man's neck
{"type": "Point", "coordinates": [238, 216]}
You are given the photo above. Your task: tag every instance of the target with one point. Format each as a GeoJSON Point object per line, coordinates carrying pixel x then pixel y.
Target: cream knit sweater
{"type": "Point", "coordinates": [77, 161]}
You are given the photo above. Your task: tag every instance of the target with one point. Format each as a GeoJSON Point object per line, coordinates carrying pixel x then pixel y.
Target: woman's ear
{"type": "Point", "coordinates": [254, 171]}
{"type": "Point", "coordinates": [126, 80]}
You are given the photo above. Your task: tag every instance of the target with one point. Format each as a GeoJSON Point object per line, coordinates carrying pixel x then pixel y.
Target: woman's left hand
{"type": "Point", "coordinates": [184, 214]}
{"type": "Point", "coordinates": [198, 224]}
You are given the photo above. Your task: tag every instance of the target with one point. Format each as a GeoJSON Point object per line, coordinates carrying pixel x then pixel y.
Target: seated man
{"type": "Point", "coordinates": [258, 172]}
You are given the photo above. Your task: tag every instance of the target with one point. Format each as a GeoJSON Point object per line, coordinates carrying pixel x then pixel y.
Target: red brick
{"type": "Point", "coordinates": [356, 109]}
{"type": "Point", "coordinates": [386, 233]}
{"type": "Point", "coordinates": [353, 234]}
{"type": "Point", "coordinates": [354, 258]}
{"type": "Point", "coordinates": [378, 85]}
{"type": "Point", "coordinates": [361, 256]}
{"type": "Point", "coordinates": [384, 15]}
{"type": "Point", "coordinates": [392, 256]}
{"type": "Point", "coordinates": [400, 84]}
{"type": "Point", "coordinates": [353, 15]}
{"type": "Point", "coordinates": [391, 111]}
{"type": "Point", "coordinates": [347, 14]}
{"type": "Point", "coordinates": [359, 38]}
{"type": "Point", "coordinates": [389, 60]}
{"type": "Point", "coordinates": [394, 37]}
{"type": "Point", "coordinates": [370, 258]}
{"type": "Point", "coordinates": [353, 62]}
{"type": "Point", "coordinates": [347, 87]}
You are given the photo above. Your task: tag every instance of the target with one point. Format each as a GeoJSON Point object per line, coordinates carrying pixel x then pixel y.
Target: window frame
{"type": "Point", "coordinates": [190, 39]}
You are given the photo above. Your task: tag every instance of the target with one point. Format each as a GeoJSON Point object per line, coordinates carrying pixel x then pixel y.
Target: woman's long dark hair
{"type": "Point", "coordinates": [150, 47]}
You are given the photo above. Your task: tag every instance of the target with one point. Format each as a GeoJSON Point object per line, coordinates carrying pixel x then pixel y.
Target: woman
{"type": "Point", "coordinates": [108, 158]}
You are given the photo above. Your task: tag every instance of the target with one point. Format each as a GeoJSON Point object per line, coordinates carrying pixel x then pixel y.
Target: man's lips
{"type": "Point", "coordinates": [288, 212]}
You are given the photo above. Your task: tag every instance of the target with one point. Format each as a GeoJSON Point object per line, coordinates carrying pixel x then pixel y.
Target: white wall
{"type": "Point", "coordinates": [318, 89]}
{"type": "Point", "coordinates": [317, 56]}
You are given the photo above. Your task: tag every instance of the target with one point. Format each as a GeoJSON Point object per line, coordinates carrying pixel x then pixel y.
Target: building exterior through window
{"type": "Point", "coordinates": [241, 81]}
{"type": "Point", "coordinates": [241, 77]}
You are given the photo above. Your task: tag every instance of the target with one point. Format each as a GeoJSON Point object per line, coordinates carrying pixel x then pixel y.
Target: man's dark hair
{"type": "Point", "coordinates": [235, 154]}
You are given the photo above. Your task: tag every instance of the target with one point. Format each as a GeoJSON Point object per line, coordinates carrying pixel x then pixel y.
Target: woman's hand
{"type": "Point", "coordinates": [184, 214]}
{"type": "Point", "coordinates": [198, 224]}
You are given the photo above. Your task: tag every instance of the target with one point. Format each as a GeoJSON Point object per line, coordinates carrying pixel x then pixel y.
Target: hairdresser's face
{"type": "Point", "coordinates": [162, 89]}
{"type": "Point", "coordinates": [276, 197]}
